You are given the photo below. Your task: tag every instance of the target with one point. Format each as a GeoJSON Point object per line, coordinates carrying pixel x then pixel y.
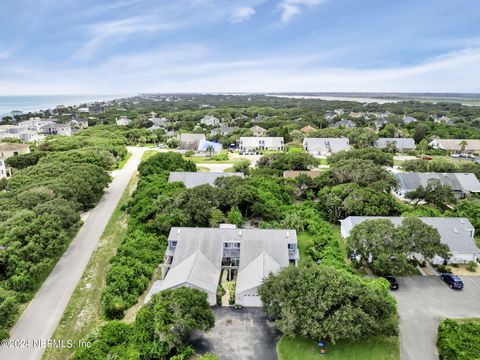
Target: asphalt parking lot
{"type": "Point", "coordinates": [239, 335]}
{"type": "Point", "coordinates": [423, 301]}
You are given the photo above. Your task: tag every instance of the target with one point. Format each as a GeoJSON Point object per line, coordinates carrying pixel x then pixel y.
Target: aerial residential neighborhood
{"type": "Point", "coordinates": [241, 214]}
{"type": "Point", "coordinates": [239, 180]}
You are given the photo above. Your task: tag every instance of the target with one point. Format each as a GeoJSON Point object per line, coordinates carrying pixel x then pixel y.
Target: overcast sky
{"type": "Point", "coordinates": [131, 46]}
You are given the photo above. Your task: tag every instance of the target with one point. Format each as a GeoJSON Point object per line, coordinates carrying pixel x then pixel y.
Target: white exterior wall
{"type": "Point", "coordinates": [248, 298]}
{"type": "Point", "coordinates": [3, 169]}
{"type": "Point", "coordinates": [65, 131]}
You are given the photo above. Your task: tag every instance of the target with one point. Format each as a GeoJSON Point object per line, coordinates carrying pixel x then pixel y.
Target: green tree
{"type": "Point", "coordinates": [362, 138]}
{"type": "Point", "coordinates": [288, 161]}
{"type": "Point", "coordinates": [301, 302]}
{"type": "Point", "coordinates": [387, 247]}
{"type": "Point", "coordinates": [242, 166]}
{"type": "Point", "coordinates": [168, 161]}
{"type": "Point", "coordinates": [434, 193]}
{"type": "Point", "coordinates": [210, 150]}
{"type": "Point", "coordinates": [217, 217]}
{"type": "Point", "coordinates": [160, 329]}
{"type": "Point", "coordinates": [234, 216]}
{"type": "Point", "coordinates": [341, 201]}
{"type": "Point", "coordinates": [378, 156]}
{"type": "Point", "coordinates": [363, 173]}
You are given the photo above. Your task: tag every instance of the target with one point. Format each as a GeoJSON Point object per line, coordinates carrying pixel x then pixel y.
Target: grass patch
{"type": "Point", "coordinates": [381, 348]}
{"type": "Point", "coordinates": [84, 311]}
{"type": "Point", "coordinates": [338, 236]}
{"type": "Point", "coordinates": [208, 160]}
{"type": "Point", "coordinates": [122, 163]}
{"type": "Point", "coordinates": [202, 169]}
{"type": "Point", "coordinates": [304, 241]}
{"type": "Point", "coordinates": [148, 154]}
{"type": "Point", "coordinates": [295, 149]}
{"type": "Point", "coordinates": [229, 170]}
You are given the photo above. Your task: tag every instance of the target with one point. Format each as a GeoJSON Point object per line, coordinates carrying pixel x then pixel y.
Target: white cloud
{"type": "Point", "coordinates": [116, 31]}
{"type": "Point", "coordinates": [291, 8]}
{"type": "Point", "coordinates": [242, 14]}
{"type": "Point", "coordinates": [195, 68]}
{"type": "Point", "coordinates": [4, 54]}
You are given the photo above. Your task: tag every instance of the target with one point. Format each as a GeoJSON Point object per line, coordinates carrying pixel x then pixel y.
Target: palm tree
{"type": "Point", "coordinates": [209, 150]}
{"type": "Point", "coordinates": [463, 145]}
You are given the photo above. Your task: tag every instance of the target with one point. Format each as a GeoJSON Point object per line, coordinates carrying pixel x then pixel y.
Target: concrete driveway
{"type": "Point", "coordinates": [239, 335]}
{"type": "Point", "coordinates": [423, 301]}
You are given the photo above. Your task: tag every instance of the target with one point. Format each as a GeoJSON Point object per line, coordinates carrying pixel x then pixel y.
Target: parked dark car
{"type": "Point", "coordinates": [393, 282]}
{"type": "Point", "coordinates": [452, 280]}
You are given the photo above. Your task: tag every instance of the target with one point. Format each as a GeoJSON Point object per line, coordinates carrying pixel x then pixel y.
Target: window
{"type": "Point", "coordinates": [173, 244]}
{"type": "Point", "coordinates": [292, 247]}
{"type": "Point", "coordinates": [231, 245]}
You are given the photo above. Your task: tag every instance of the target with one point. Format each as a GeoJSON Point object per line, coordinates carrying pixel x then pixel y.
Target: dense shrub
{"type": "Point", "coordinates": [458, 339]}
{"type": "Point", "coordinates": [40, 210]}
{"type": "Point", "coordinates": [169, 161]}
{"type": "Point", "coordinates": [377, 156]}
{"type": "Point", "coordinates": [303, 302]}
{"type": "Point", "coordinates": [25, 160]}
{"type": "Point", "coordinates": [288, 161]}
{"type": "Point", "coordinates": [131, 270]}
{"type": "Point", "coordinates": [159, 331]}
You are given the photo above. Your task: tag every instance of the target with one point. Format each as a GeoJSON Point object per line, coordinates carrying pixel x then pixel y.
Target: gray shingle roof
{"type": "Point", "coordinates": [325, 146]}
{"type": "Point", "coordinates": [456, 233]}
{"type": "Point", "coordinates": [401, 143]}
{"type": "Point", "coordinates": [261, 251]}
{"type": "Point", "coordinates": [192, 179]}
{"type": "Point", "coordinates": [458, 182]}
{"type": "Point", "coordinates": [252, 275]}
{"type": "Point", "coordinates": [454, 144]}
{"type": "Point", "coordinates": [194, 270]}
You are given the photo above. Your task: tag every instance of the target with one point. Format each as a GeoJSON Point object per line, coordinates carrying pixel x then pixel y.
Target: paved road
{"type": "Point", "coordinates": [423, 301]}
{"type": "Point", "coordinates": [239, 335]}
{"type": "Point", "coordinates": [39, 320]}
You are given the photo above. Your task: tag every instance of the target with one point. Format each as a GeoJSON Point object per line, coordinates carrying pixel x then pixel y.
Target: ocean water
{"type": "Point", "coordinates": [42, 102]}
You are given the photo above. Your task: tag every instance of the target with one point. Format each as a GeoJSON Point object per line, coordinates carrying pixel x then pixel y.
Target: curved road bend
{"type": "Point", "coordinates": [41, 317]}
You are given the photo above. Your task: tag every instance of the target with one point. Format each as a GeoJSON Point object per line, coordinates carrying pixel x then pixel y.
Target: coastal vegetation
{"type": "Point", "coordinates": [39, 216]}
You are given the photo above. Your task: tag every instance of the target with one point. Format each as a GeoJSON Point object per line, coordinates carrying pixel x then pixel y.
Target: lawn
{"type": "Point", "coordinates": [304, 241]}
{"type": "Point", "coordinates": [295, 149]}
{"type": "Point", "coordinates": [378, 348]}
{"type": "Point", "coordinates": [148, 154]}
{"type": "Point", "coordinates": [122, 163]}
{"type": "Point", "coordinates": [84, 310]}
{"type": "Point", "coordinates": [202, 169]}
{"type": "Point", "coordinates": [208, 160]}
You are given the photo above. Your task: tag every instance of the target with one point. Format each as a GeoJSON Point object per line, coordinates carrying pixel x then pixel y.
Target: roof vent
{"type": "Point", "coordinates": [288, 234]}
{"type": "Point", "coordinates": [461, 221]}
{"type": "Point", "coordinates": [240, 233]}
{"type": "Point", "coordinates": [455, 230]}
{"type": "Point", "coordinates": [178, 231]}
